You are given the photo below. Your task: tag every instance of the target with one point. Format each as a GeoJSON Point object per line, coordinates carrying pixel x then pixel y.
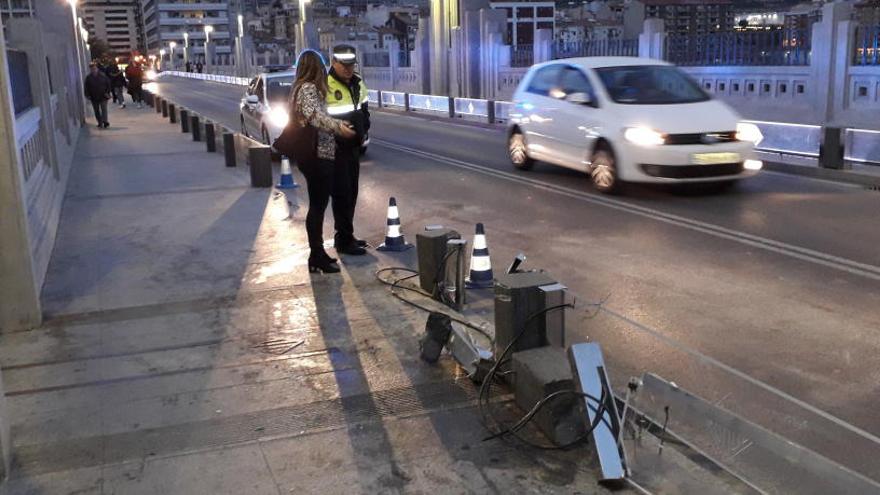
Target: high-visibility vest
{"type": "Point", "coordinates": [340, 100]}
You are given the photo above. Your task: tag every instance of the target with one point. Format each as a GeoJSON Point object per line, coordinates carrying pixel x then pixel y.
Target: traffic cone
{"type": "Point", "coordinates": [286, 181]}
{"type": "Point", "coordinates": [394, 240]}
{"type": "Point", "coordinates": [481, 266]}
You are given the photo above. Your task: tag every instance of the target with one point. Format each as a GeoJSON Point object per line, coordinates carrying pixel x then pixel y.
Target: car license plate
{"type": "Point", "coordinates": [714, 158]}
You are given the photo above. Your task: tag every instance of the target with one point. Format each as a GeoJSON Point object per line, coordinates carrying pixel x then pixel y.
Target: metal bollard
{"type": "Point", "coordinates": [184, 120]}
{"type": "Point", "coordinates": [172, 113]}
{"type": "Point", "coordinates": [229, 148]}
{"type": "Point", "coordinates": [210, 139]}
{"type": "Point", "coordinates": [158, 101]}
{"type": "Point", "coordinates": [195, 128]}
{"type": "Point", "coordinates": [490, 109]}
{"type": "Point", "coordinates": [406, 102]}
{"type": "Point", "coordinates": [831, 148]}
{"type": "Point", "coordinates": [260, 161]}
{"type": "Point", "coordinates": [379, 99]}
{"type": "Point", "coordinates": [164, 108]}
{"type": "Point", "coordinates": [451, 107]}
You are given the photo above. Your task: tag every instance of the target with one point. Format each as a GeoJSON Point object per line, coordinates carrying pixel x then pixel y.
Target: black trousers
{"type": "Point", "coordinates": [319, 182]}
{"type": "Point", "coordinates": [346, 172]}
{"type": "Point", "coordinates": [100, 108]}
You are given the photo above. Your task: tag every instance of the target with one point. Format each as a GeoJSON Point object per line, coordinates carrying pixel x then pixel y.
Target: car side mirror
{"type": "Point", "coordinates": [580, 99]}
{"type": "Point", "coordinates": [252, 99]}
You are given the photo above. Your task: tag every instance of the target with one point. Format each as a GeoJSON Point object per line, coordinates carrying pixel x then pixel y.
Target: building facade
{"type": "Point", "coordinates": [524, 18]}
{"type": "Point", "coordinates": [166, 21]}
{"type": "Point", "coordinates": [686, 17]}
{"type": "Point", "coordinates": [117, 22]}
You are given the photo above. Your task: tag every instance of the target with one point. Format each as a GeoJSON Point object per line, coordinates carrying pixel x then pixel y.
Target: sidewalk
{"type": "Point", "coordinates": [187, 350]}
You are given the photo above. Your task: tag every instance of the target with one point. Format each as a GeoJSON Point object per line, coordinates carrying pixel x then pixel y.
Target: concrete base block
{"type": "Point", "coordinates": [538, 373]}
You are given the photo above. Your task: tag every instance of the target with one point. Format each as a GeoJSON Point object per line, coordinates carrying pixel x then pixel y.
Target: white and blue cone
{"type": "Point", "coordinates": [394, 240]}
{"type": "Point", "coordinates": [286, 181]}
{"type": "Point", "coordinates": [481, 265]}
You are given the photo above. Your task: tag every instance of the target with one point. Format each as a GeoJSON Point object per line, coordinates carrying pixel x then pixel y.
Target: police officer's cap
{"type": "Point", "coordinates": [345, 54]}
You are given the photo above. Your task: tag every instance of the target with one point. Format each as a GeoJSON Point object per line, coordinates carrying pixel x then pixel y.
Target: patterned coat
{"type": "Point", "coordinates": [313, 108]}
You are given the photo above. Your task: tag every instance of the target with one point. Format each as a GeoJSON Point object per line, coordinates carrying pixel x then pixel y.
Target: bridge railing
{"type": "Point", "coordinates": [595, 48]}
{"type": "Point", "coordinates": [867, 45]}
{"type": "Point", "coordinates": [777, 47]}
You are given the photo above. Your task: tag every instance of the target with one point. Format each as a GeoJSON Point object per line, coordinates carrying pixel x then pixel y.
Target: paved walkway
{"type": "Point", "coordinates": [187, 350]}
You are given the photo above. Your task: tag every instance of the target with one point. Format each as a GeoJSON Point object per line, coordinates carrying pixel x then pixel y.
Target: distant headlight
{"type": "Point", "coordinates": [278, 117]}
{"type": "Point", "coordinates": [643, 136]}
{"type": "Point", "coordinates": [749, 132]}
{"type": "Point", "coordinates": [151, 74]}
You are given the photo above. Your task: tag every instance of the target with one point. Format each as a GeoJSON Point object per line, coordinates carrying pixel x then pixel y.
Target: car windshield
{"type": "Point", "coordinates": [650, 85]}
{"type": "Point", "coordinates": [278, 89]}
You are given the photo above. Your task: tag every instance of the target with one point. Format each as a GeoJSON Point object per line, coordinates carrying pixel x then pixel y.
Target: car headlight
{"type": "Point", "coordinates": [279, 117]}
{"type": "Point", "coordinates": [749, 132]}
{"type": "Point", "coordinates": [643, 136]}
{"type": "Point", "coordinates": [151, 74]}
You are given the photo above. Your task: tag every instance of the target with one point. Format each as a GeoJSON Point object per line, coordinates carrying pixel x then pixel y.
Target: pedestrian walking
{"type": "Point", "coordinates": [97, 89]}
{"type": "Point", "coordinates": [199, 67]}
{"type": "Point", "coordinates": [308, 104]}
{"type": "Point", "coordinates": [117, 83]}
{"type": "Point", "coordinates": [135, 75]}
{"type": "Point", "coordinates": [188, 66]}
{"type": "Point", "coordinates": [347, 100]}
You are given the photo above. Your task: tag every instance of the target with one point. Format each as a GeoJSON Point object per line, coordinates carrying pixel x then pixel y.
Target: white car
{"type": "Point", "coordinates": [627, 119]}
{"type": "Point", "coordinates": [264, 110]}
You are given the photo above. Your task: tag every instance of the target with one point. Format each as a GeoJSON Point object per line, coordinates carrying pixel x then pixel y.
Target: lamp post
{"type": "Point", "coordinates": [161, 58]}
{"type": "Point", "coordinates": [185, 48]}
{"type": "Point", "coordinates": [208, 30]}
{"type": "Point", "coordinates": [172, 45]}
{"type": "Point", "coordinates": [78, 41]}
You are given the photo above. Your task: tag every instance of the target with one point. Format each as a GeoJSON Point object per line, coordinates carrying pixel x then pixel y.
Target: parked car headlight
{"type": "Point", "coordinates": [643, 136]}
{"type": "Point", "coordinates": [746, 131]}
{"type": "Point", "coordinates": [279, 117]}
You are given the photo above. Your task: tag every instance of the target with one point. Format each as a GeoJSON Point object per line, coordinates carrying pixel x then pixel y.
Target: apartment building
{"type": "Point", "coordinates": [166, 21]}
{"type": "Point", "coordinates": [117, 22]}
{"type": "Point", "coordinates": [683, 17]}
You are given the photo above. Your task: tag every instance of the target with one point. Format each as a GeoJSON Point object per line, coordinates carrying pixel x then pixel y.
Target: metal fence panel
{"type": "Point", "coordinates": [867, 45]}
{"type": "Point", "coordinates": [791, 139]}
{"type": "Point", "coordinates": [471, 107]}
{"type": "Point", "coordinates": [393, 99]}
{"type": "Point", "coordinates": [773, 47]}
{"type": "Point", "coordinates": [862, 146]}
{"type": "Point", "coordinates": [373, 96]}
{"type": "Point", "coordinates": [428, 103]}
{"type": "Point", "coordinates": [596, 48]}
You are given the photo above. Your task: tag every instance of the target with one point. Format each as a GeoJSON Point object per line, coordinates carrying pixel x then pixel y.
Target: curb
{"type": "Point", "coordinates": [847, 176]}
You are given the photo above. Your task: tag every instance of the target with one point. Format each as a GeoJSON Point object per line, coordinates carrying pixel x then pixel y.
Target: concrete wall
{"type": "Point", "coordinates": [36, 158]}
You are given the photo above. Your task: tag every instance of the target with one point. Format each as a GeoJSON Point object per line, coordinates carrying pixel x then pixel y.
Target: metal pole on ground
{"type": "Point", "coordinates": [260, 161]}
{"type": "Point", "coordinates": [490, 109]}
{"type": "Point", "coordinates": [194, 127]}
{"type": "Point", "coordinates": [184, 120]}
{"type": "Point", "coordinates": [210, 139]}
{"type": "Point", "coordinates": [158, 104]}
{"type": "Point", "coordinates": [164, 108]}
{"type": "Point", "coordinates": [229, 148]}
{"type": "Point", "coordinates": [172, 113]}
{"type": "Point", "coordinates": [451, 107]}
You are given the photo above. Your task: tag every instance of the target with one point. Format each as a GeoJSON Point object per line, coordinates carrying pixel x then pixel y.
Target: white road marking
{"type": "Point", "coordinates": [812, 256]}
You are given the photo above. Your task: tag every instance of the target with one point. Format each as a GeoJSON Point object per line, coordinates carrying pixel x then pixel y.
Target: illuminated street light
{"type": "Point", "coordinates": [208, 30]}
{"type": "Point", "coordinates": [240, 25]}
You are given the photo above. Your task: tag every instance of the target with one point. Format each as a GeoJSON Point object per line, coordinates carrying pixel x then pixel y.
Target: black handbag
{"type": "Point", "coordinates": [299, 139]}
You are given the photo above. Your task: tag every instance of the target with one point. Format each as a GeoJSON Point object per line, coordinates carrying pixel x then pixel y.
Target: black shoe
{"type": "Point", "coordinates": [323, 265]}
{"type": "Point", "coordinates": [352, 249]}
{"type": "Point", "coordinates": [360, 243]}
{"type": "Point", "coordinates": [106, 125]}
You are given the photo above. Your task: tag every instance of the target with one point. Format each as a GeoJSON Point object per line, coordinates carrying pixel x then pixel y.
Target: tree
{"type": "Point", "coordinates": [99, 49]}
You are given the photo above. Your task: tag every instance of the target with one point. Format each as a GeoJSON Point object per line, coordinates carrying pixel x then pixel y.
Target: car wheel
{"type": "Point", "coordinates": [244, 128]}
{"type": "Point", "coordinates": [603, 172]}
{"type": "Point", "coordinates": [519, 156]}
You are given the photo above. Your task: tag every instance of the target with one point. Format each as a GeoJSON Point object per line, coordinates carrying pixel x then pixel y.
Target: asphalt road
{"type": "Point", "coordinates": [763, 299]}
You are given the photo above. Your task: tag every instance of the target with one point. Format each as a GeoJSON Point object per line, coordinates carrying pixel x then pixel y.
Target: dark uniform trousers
{"type": "Point", "coordinates": [346, 171]}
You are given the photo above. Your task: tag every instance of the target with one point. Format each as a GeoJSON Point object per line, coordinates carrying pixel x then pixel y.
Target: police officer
{"type": "Point", "coordinates": [347, 100]}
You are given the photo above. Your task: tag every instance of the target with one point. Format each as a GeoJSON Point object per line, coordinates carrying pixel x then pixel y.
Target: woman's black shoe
{"type": "Point", "coordinates": [324, 265]}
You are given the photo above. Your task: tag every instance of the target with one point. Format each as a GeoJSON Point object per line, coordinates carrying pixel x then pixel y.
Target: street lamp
{"type": "Point", "coordinates": [208, 30]}
{"type": "Point", "coordinates": [161, 58]}
{"type": "Point", "coordinates": [172, 45]}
